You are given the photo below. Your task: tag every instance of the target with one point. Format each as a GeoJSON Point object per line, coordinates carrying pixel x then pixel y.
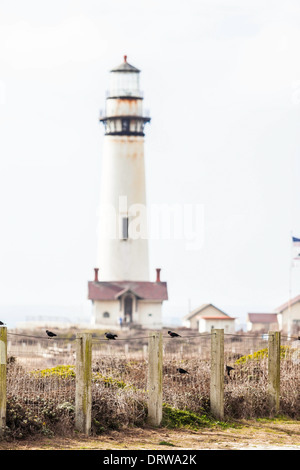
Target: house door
{"type": "Point", "coordinates": [128, 309]}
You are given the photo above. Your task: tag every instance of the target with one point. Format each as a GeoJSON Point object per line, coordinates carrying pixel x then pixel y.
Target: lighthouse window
{"type": "Point", "coordinates": [125, 228]}
{"type": "Point", "coordinates": [105, 315]}
{"type": "Point", "coordinates": [125, 125]}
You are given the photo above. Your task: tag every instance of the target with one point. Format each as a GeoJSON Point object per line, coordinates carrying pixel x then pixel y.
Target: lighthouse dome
{"type": "Point", "coordinates": [124, 81]}
{"type": "Point", "coordinates": [125, 67]}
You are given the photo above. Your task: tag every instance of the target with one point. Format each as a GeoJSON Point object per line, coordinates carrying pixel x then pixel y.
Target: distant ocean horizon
{"type": "Point", "coordinates": [11, 315]}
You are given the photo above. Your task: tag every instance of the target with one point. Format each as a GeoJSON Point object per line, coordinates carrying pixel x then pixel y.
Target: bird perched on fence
{"type": "Point", "coordinates": [228, 369]}
{"type": "Point", "coordinates": [110, 336]}
{"type": "Point", "coordinates": [172, 334]}
{"type": "Point", "coordinates": [50, 334]}
{"type": "Point", "coordinates": [182, 371]}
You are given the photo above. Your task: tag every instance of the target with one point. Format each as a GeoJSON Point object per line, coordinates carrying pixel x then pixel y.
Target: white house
{"type": "Point", "coordinates": [262, 322]}
{"type": "Point", "coordinates": [206, 317]}
{"type": "Point", "coordinates": [289, 316]}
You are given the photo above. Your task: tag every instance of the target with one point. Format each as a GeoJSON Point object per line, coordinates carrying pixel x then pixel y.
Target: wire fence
{"type": "Point", "coordinates": [42, 371]}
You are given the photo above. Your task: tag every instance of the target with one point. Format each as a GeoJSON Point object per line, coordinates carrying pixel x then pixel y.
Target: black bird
{"type": "Point", "coordinates": [228, 369]}
{"type": "Point", "coordinates": [110, 336]}
{"type": "Point", "coordinates": [172, 334]}
{"type": "Point", "coordinates": [182, 371]}
{"type": "Point", "coordinates": [1, 323]}
{"type": "Point", "coordinates": [50, 334]}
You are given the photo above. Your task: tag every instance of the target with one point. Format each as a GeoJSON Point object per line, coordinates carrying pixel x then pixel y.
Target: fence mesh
{"type": "Point", "coordinates": [42, 371]}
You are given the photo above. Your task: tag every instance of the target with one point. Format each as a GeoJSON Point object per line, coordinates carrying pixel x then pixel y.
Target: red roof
{"type": "Point", "coordinates": [203, 307]}
{"type": "Point", "coordinates": [113, 290]}
{"type": "Point", "coordinates": [286, 305]}
{"type": "Point", "coordinates": [262, 317]}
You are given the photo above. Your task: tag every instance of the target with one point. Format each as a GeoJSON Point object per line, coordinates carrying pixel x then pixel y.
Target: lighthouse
{"type": "Point", "coordinates": [122, 292]}
{"type": "Point", "coordinates": [121, 253]}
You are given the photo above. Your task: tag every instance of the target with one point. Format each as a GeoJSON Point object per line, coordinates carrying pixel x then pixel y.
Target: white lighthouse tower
{"type": "Point", "coordinates": [121, 291]}
{"type": "Point", "coordinates": [122, 243]}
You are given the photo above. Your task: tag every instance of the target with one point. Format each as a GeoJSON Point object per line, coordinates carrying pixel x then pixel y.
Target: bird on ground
{"type": "Point", "coordinates": [173, 334]}
{"type": "Point", "coordinates": [50, 334]}
{"type": "Point", "coordinates": [228, 369]}
{"type": "Point", "coordinates": [110, 336]}
{"type": "Point", "coordinates": [182, 371]}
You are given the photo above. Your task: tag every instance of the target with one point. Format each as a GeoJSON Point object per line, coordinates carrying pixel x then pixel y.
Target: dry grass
{"type": "Point", "coordinates": [42, 400]}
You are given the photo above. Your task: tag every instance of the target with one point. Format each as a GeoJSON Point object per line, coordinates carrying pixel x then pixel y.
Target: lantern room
{"type": "Point", "coordinates": [124, 81]}
{"type": "Point", "coordinates": [124, 103]}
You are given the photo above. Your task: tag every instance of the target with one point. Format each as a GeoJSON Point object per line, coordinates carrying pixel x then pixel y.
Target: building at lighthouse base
{"type": "Point", "coordinates": [127, 303]}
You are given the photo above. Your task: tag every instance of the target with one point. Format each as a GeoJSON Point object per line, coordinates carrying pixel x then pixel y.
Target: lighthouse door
{"type": "Point", "coordinates": [128, 309]}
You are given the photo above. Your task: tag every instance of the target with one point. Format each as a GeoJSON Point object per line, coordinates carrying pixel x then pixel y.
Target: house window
{"type": "Point", "coordinates": [125, 228]}
{"type": "Point", "coordinates": [106, 315]}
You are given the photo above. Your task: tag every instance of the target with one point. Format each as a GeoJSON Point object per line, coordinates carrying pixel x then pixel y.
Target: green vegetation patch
{"type": "Point", "coordinates": [262, 354]}
{"type": "Point", "coordinates": [278, 419]}
{"type": "Point", "coordinates": [166, 443]}
{"type": "Point", "coordinates": [66, 371]}
{"type": "Point", "coordinates": [175, 418]}
{"type": "Point", "coordinates": [59, 371]}
{"type": "Point", "coordinates": [109, 381]}
{"type": "Point", "coordinates": [22, 420]}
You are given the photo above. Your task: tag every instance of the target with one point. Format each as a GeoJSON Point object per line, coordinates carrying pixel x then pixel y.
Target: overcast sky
{"type": "Point", "coordinates": [221, 79]}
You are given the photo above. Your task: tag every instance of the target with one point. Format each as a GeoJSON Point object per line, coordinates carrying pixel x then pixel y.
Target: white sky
{"type": "Point", "coordinates": [221, 79]}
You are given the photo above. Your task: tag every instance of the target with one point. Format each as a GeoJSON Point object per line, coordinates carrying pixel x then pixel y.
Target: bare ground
{"type": "Point", "coordinates": [254, 435]}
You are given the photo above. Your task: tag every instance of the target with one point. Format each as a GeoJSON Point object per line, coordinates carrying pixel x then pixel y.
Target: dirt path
{"type": "Point", "coordinates": [262, 434]}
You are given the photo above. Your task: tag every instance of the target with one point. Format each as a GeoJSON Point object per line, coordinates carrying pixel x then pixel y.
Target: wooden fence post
{"type": "Point", "coordinates": [217, 374]}
{"type": "Point", "coordinates": [3, 363]}
{"type": "Point", "coordinates": [274, 370]}
{"type": "Point", "coordinates": [155, 356]}
{"type": "Point", "coordinates": [83, 398]}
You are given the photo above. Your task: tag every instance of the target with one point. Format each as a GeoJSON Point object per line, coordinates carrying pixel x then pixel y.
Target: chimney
{"type": "Point", "coordinates": [157, 274]}
{"type": "Point", "coordinates": [96, 274]}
